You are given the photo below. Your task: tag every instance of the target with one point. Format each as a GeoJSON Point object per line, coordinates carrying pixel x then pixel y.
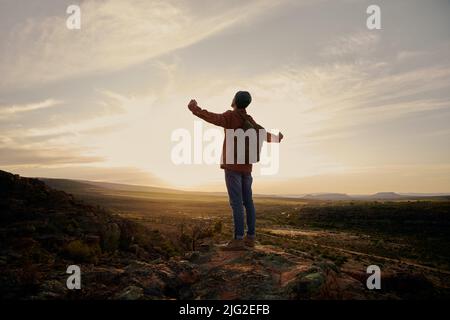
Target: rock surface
{"type": "Point", "coordinates": [43, 231]}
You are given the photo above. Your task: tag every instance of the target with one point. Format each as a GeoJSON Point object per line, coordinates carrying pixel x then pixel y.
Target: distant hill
{"type": "Point", "coordinates": [75, 186]}
{"type": "Point", "coordinates": [327, 196]}
{"type": "Point", "coordinates": [83, 187]}
{"type": "Point", "coordinates": [386, 196]}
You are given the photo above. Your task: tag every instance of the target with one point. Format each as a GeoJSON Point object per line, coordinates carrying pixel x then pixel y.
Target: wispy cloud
{"type": "Point", "coordinates": [114, 35]}
{"type": "Point", "coordinates": [342, 96]}
{"type": "Point", "coordinates": [43, 157]}
{"type": "Point", "coordinates": [6, 111]}
{"type": "Point", "coordinates": [357, 43]}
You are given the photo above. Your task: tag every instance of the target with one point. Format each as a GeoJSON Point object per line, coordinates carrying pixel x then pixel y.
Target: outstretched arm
{"type": "Point", "coordinates": [270, 137]}
{"type": "Point", "coordinates": [274, 138]}
{"type": "Point", "coordinates": [218, 119]}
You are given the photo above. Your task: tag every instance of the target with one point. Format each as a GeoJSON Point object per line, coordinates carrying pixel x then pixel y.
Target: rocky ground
{"type": "Point", "coordinates": [44, 230]}
{"type": "Point", "coordinates": [262, 273]}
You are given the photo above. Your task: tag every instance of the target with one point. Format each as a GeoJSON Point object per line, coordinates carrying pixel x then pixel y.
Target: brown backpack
{"type": "Point", "coordinates": [249, 124]}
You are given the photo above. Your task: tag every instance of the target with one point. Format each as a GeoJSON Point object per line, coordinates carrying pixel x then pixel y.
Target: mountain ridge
{"type": "Point", "coordinates": [70, 186]}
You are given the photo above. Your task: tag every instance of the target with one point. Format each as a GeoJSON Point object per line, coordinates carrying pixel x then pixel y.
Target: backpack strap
{"type": "Point", "coordinates": [245, 118]}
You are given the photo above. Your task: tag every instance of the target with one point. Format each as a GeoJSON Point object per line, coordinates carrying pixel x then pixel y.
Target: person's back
{"type": "Point", "coordinates": [238, 176]}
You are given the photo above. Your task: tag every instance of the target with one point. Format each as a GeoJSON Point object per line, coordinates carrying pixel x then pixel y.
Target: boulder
{"type": "Point", "coordinates": [130, 293]}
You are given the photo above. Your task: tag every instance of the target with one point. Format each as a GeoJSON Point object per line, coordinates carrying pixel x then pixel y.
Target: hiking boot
{"type": "Point", "coordinates": [249, 242]}
{"type": "Point", "coordinates": [235, 245]}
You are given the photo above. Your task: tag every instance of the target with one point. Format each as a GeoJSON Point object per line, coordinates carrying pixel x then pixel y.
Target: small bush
{"type": "Point", "coordinates": [186, 241]}
{"type": "Point", "coordinates": [111, 236]}
{"type": "Point", "coordinates": [79, 251]}
{"type": "Point", "coordinates": [218, 226]}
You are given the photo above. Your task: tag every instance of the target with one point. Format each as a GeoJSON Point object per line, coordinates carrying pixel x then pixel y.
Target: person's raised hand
{"type": "Point", "coordinates": [192, 105]}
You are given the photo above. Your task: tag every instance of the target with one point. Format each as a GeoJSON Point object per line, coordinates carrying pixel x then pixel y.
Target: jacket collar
{"type": "Point", "coordinates": [243, 111]}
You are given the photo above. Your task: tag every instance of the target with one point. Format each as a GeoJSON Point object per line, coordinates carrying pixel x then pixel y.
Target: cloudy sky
{"type": "Point", "coordinates": [361, 110]}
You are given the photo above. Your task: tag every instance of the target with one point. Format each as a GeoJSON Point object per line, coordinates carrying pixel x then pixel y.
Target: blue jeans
{"type": "Point", "coordinates": [239, 186]}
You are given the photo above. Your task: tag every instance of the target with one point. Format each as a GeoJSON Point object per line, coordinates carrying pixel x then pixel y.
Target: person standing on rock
{"type": "Point", "coordinates": [237, 161]}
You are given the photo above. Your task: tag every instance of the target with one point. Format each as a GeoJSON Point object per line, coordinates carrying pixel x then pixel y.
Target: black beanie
{"type": "Point", "coordinates": [242, 99]}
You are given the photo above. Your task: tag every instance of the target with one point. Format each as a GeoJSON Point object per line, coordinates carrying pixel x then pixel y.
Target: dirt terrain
{"type": "Point", "coordinates": [138, 243]}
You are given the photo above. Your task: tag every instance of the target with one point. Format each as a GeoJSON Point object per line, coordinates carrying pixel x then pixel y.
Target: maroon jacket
{"type": "Point", "coordinates": [230, 120]}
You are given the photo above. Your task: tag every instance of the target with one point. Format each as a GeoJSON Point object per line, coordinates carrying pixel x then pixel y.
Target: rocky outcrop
{"type": "Point", "coordinates": [43, 231]}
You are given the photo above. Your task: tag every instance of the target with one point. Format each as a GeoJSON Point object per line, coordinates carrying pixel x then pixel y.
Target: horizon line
{"type": "Point", "coordinates": [175, 188]}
